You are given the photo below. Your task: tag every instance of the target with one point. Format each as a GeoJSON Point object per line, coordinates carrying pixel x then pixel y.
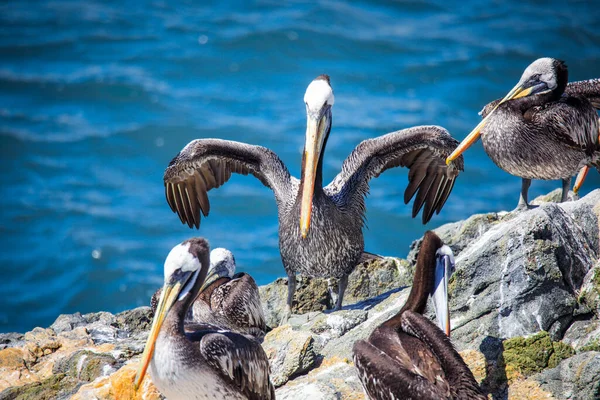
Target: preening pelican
{"type": "Point", "coordinates": [320, 228]}
{"type": "Point", "coordinates": [202, 361]}
{"type": "Point", "coordinates": [408, 357]}
{"type": "Point", "coordinates": [228, 300]}
{"type": "Point", "coordinates": [543, 128]}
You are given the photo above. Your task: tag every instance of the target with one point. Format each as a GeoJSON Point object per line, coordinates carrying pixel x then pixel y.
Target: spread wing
{"type": "Point", "coordinates": [205, 164]}
{"type": "Point", "coordinates": [422, 149]}
{"type": "Point", "coordinates": [240, 361]}
{"type": "Point", "coordinates": [238, 300]}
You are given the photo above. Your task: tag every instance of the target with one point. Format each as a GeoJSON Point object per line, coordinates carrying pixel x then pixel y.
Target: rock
{"type": "Point", "coordinates": [576, 378]}
{"type": "Point", "coordinates": [11, 339]}
{"type": "Point", "coordinates": [525, 307]}
{"type": "Point", "coordinates": [525, 356]}
{"type": "Point", "coordinates": [290, 353]}
{"type": "Point", "coordinates": [369, 279]}
{"type": "Point", "coordinates": [86, 365]}
{"type": "Point", "coordinates": [334, 379]}
{"type": "Point", "coordinates": [528, 390]}
{"type": "Point", "coordinates": [119, 386]}
{"type": "Point", "coordinates": [516, 265]}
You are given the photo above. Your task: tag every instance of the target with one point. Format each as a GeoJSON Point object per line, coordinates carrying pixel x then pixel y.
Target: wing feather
{"type": "Point", "coordinates": [422, 149]}
{"type": "Point", "coordinates": [205, 164]}
{"type": "Point", "coordinates": [240, 361]}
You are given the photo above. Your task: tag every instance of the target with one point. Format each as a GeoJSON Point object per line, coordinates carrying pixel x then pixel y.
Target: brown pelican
{"type": "Point", "coordinates": [203, 362]}
{"type": "Point", "coordinates": [543, 128]}
{"type": "Point", "coordinates": [228, 300]}
{"type": "Point", "coordinates": [320, 228]}
{"type": "Point", "coordinates": [408, 357]}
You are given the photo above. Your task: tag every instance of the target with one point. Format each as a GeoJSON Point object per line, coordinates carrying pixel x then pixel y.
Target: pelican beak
{"type": "Point", "coordinates": [212, 276]}
{"type": "Point", "coordinates": [316, 131]}
{"type": "Point", "coordinates": [168, 297]}
{"type": "Point", "coordinates": [520, 90]}
{"type": "Point", "coordinates": [580, 178]}
{"type": "Point", "coordinates": [443, 271]}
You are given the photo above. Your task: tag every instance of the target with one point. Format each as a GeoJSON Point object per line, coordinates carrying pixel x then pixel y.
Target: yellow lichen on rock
{"type": "Point", "coordinates": [476, 362]}
{"type": "Point", "coordinates": [527, 390]}
{"type": "Point", "coordinates": [119, 386]}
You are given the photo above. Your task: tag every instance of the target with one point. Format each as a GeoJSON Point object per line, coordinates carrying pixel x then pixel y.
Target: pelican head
{"type": "Point", "coordinates": [444, 268]}
{"type": "Point", "coordinates": [222, 265]}
{"type": "Point", "coordinates": [319, 100]}
{"type": "Point", "coordinates": [543, 76]}
{"type": "Point", "coordinates": [185, 272]}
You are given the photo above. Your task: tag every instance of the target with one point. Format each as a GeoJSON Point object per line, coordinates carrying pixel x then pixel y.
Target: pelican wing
{"type": "Point", "coordinates": [205, 164]}
{"type": "Point", "coordinates": [460, 378]}
{"type": "Point", "coordinates": [572, 119]}
{"type": "Point", "coordinates": [239, 360]}
{"type": "Point", "coordinates": [422, 149]}
{"type": "Point", "coordinates": [589, 89]}
{"type": "Point", "coordinates": [385, 378]}
{"type": "Point", "coordinates": [238, 301]}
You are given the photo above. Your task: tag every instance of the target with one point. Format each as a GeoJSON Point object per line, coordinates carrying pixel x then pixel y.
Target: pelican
{"type": "Point", "coordinates": [228, 300]}
{"type": "Point", "coordinates": [543, 128]}
{"type": "Point", "coordinates": [320, 228]}
{"type": "Point", "coordinates": [203, 362]}
{"type": "Point", "coordinates": [409, 357]}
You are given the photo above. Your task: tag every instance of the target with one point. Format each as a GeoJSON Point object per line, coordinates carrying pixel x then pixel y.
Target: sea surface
{"type": "Point", "coordinates": [96, 97]}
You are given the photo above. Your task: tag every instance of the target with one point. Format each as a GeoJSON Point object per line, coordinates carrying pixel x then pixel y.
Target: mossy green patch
{"type": "Point", "coordinates": [526, 356]}
{"type": "Point", "coordinates": [48, 389]}
{"type": "Point", "coordinates": [594, 345]}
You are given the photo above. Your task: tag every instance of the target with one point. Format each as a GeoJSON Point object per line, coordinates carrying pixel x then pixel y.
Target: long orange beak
{"type": "Point", "coordinates": [315, 135]}
{"type": "Point", "coordinates": [167, 299]}
{"type": "Point", "coordinates": [580, 178]}
{"type": "Point", "coordinates": [472, 137]}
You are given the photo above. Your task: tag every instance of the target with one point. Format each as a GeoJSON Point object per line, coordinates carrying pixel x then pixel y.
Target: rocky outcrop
{"type": "Point", "coordinates": [525, 306]}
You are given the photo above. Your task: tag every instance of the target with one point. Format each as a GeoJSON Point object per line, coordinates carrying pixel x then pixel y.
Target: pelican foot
{"type": "Point", "coordinates": [572, 196]}
{"type": "Point", "coordinates": [524, 207]}
{"type": "Point", "coordinates": [286, 316]}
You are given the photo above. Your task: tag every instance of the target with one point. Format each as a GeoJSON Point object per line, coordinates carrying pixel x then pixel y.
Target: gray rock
{"type": "Point", "coordinates": [86, 365]}
{"type": "Point", "coordinates": [290, 353]}
{"type": "Point", "coordinates": [511, 267]}
{"type": "Point", "coordinates": [369, 279]}
{"type": "Point", "coordinates": [11, 339]}
{"type": "Point", "coordinates": [577, 378]}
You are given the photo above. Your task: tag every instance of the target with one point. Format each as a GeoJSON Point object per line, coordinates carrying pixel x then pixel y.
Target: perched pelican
{"type": "Point", "coordinates": [228, 300]}
{"type": "Point", "coordinates": [205, 362]}
{"type": "Point", "coordinates": [408, 357]}
{"type": "Point", "coordinates": [320, 228]}
{"type": "Point", "coordinates": [543, 128]}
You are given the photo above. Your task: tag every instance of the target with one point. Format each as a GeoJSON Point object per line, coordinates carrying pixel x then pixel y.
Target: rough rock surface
{"type": "Point", "coordinates": [525, 307]}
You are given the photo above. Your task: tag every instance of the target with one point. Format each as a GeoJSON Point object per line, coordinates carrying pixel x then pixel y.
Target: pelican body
{"type": "Point", "coordinates": [320, 228]}
{"type": "Point", "coordinates": [543, 129]}
{"type": "Point", "coordinates": [203, 361]}
{"type": "Point", "coordinates": [409, 357]}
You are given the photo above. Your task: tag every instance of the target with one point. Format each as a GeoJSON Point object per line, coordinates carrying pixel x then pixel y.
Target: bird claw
{"type": "Point", "coordinates": [286, 316]}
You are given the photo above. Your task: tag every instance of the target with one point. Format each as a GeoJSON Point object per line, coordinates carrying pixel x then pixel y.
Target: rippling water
{"type": "Point", "coordinates": [97, 97]}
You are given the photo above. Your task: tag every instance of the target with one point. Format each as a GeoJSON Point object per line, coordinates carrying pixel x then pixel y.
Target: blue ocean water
{"type": "Point", "coordinates": [97, 96]}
